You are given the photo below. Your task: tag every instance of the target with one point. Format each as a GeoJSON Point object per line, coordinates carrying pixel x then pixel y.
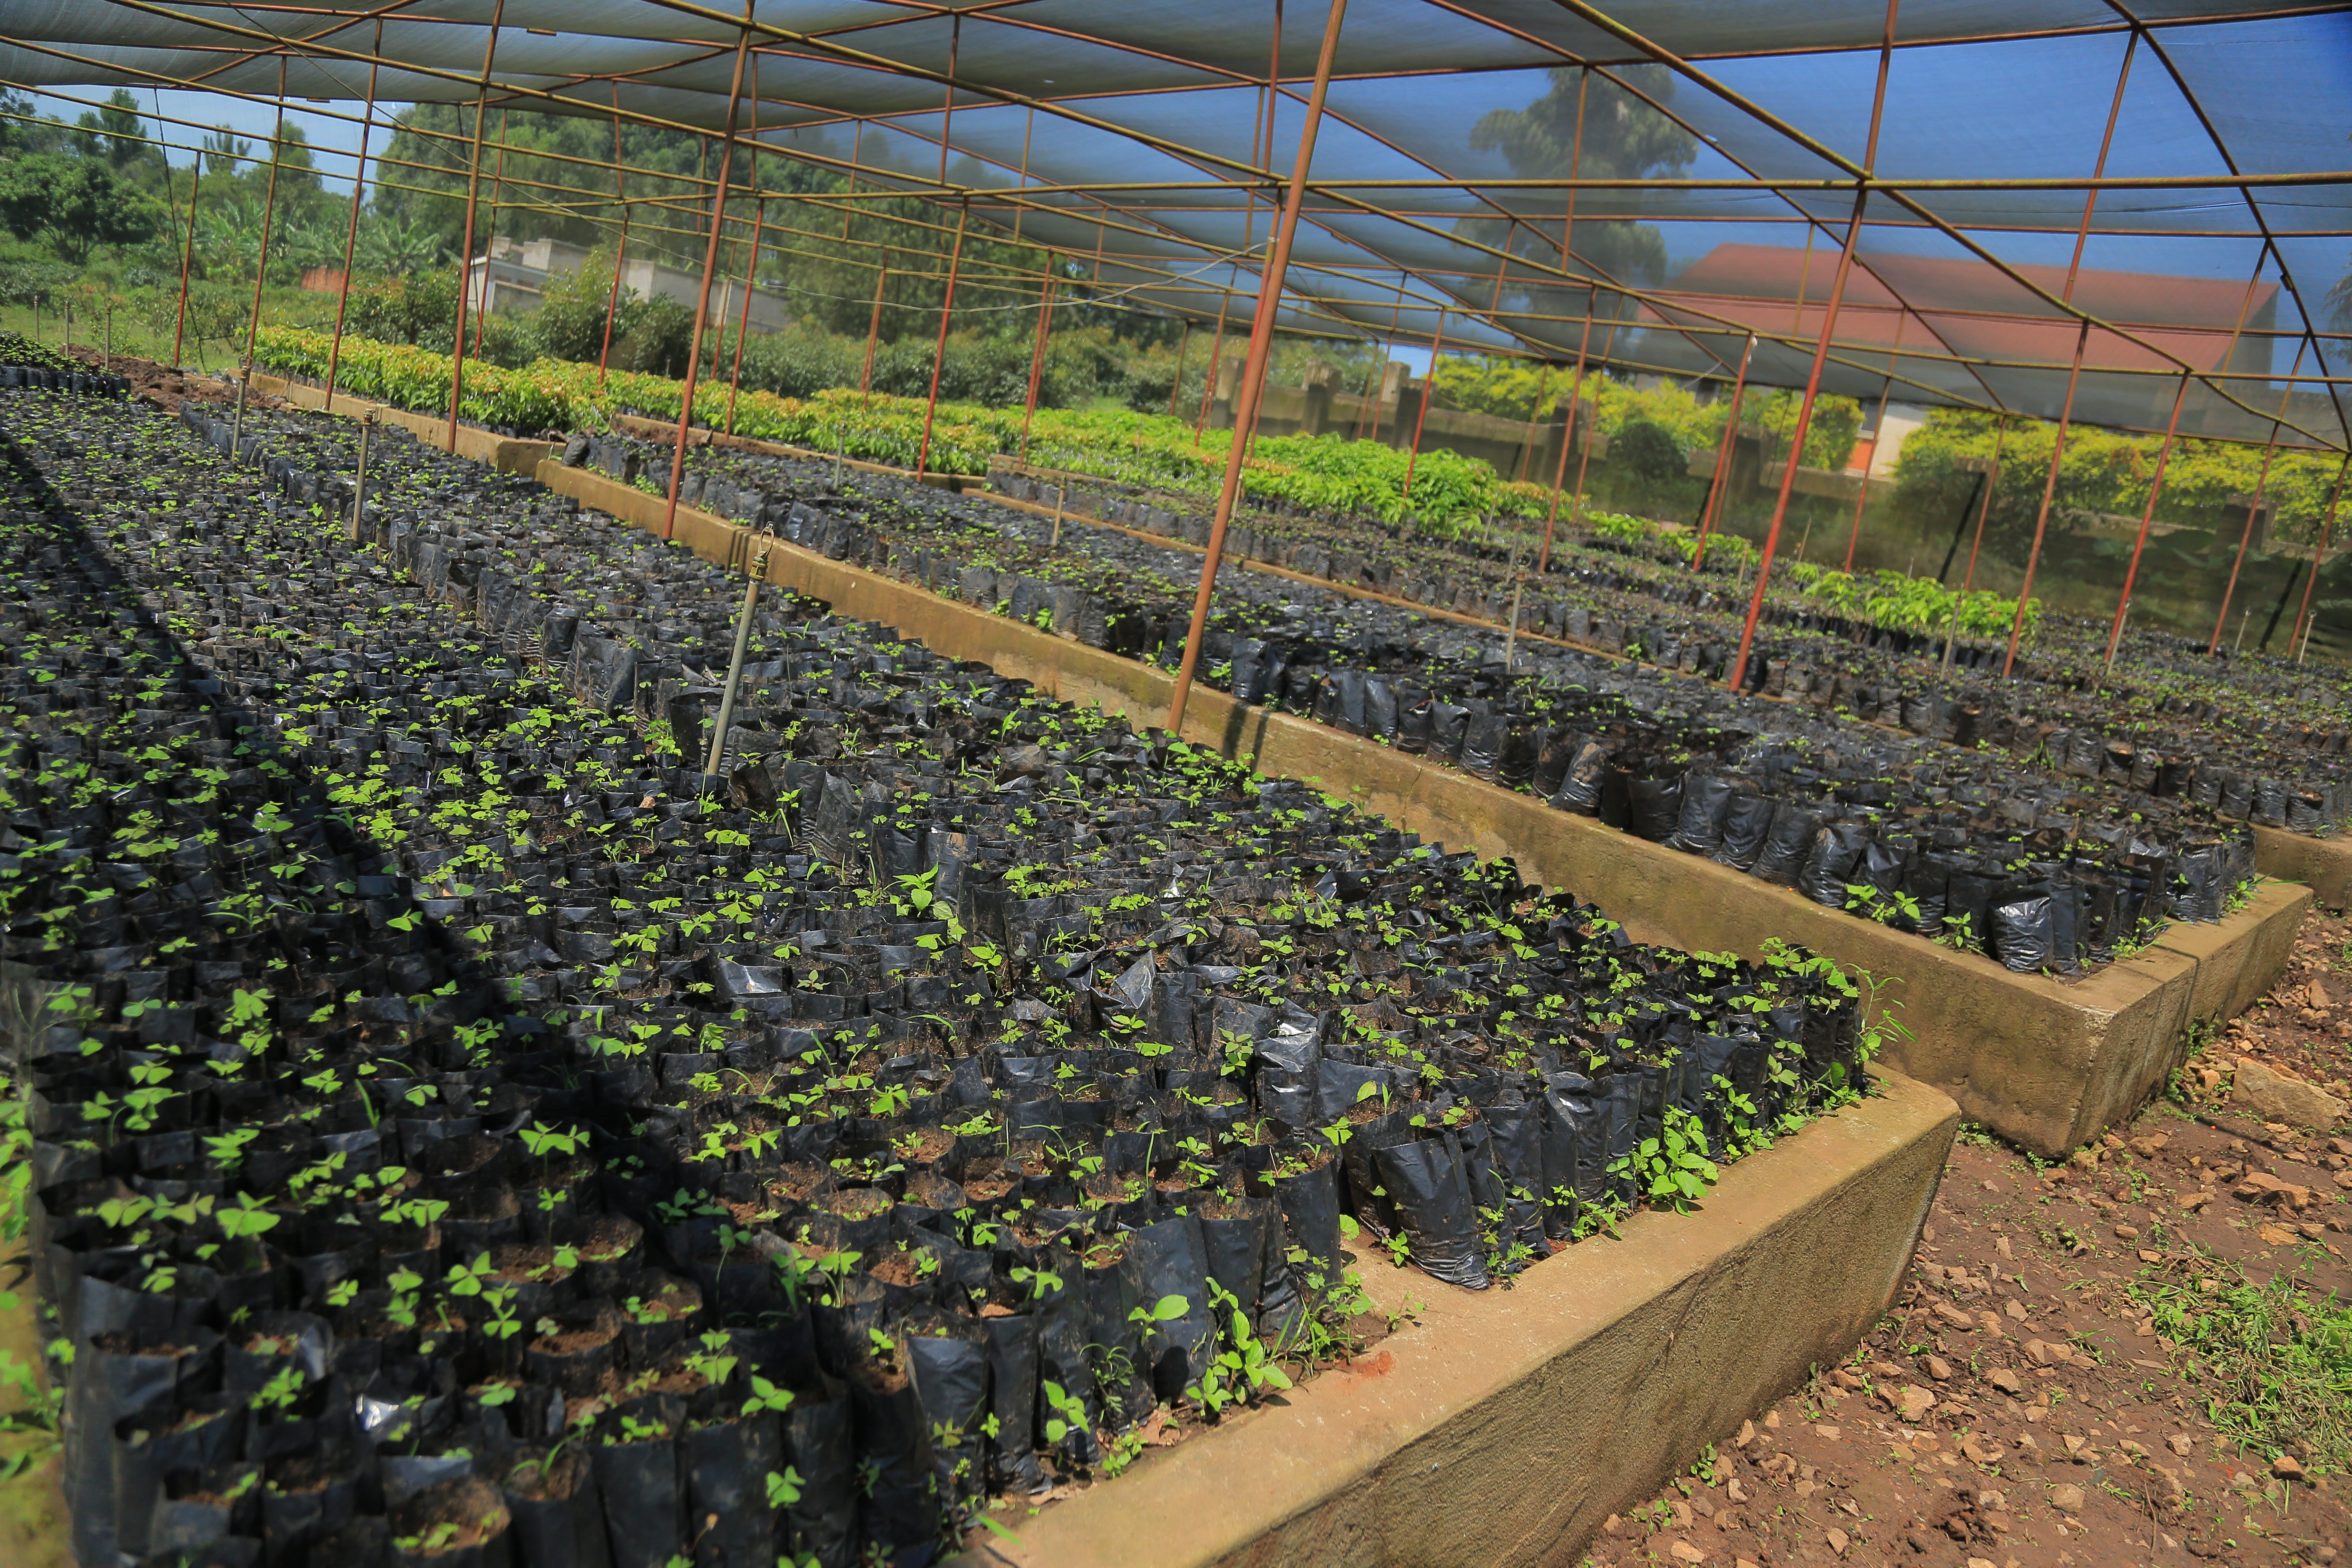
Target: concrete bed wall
{"type": "Point", "coordinates": [1507, 1424]}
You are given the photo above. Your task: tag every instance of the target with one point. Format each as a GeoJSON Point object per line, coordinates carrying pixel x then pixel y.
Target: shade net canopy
{"type": "Point", "coordinates": [2118, 199]}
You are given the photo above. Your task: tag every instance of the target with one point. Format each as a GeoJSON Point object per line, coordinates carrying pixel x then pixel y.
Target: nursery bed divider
{"type": "Point", "coordinates": [1510, 1424]}
{"type": "Point", "coordinates": [2048, 1063]}
{"type": "Point", "coordinates": [507, 454]}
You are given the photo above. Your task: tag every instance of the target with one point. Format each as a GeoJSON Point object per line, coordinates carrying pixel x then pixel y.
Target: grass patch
{"type": "Point", "coordinates": [2271, 1363]}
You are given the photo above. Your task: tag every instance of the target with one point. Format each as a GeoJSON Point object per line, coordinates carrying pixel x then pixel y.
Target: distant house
{"type": "Point", "coordinates": [1968, 309]}
{"type": "Point", "coordinates": [511, 279]}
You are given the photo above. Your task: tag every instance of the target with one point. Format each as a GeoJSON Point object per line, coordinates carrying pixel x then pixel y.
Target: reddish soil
{"type": "Point", "coordinates": [2018, 1408]}
{"type": "Point", "coordinates": [163, 386]}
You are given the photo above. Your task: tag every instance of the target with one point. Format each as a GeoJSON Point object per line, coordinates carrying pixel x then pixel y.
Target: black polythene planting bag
{"type": "Point", "coordinates": [1310, 1200]}
{"type": "Point", "coordinates": [1013, 1356]}
{"type": "Point", "coordinates": [1521, 745]}
{"type": "Point", "coordinates": [1416, 717]}
{"type": "Point", "coordinates": [1620, 1102]}
{"type": "Point", "coordinates": [947, 1362]}
{"type": "Point", "coordinates": [308, 1498]}
{"type": "Point", "coordinates": [1706, 800]}
{"type": "Point", "coordinates": [1447, 724]}
{"type": "Point", "coordinates": [1580, 787]}
{"type": "Point", "coordinates": [1235, 1247]}
{"type": "Point", "coordinates": [1430, 1190]}
{"type": "Point", "coordinates": [901, 1506]}
{"type": "Point", "coordinates": [1654, 807]}
{"type": "Point", "coordinates": [1830, 864]}
{"type": "Point", "coordinates": [1513, 1154]}
{"type": "Point", "coordinates": [728, 1458]}
{"type": "Point", "coordinates": [1248, 678]}
{"type": "Point", "coordinates": [1573, 1143]}
{"type": "Point", "coordinates": [1559, 748]}
{"type": "Point", "coordinates": [1350, 702]}
{"type": "Point", "coordinates": [2023, 934]}
{"type": "Point", "coordinates": [1380, 708]}
{"type": "Point", "coordinates": [466, 1498]}
{"type": "Point", "coordinates": [160, 1439]}
{"type": "Point", "coordinates": [114, 1375]}
{"type": "Point", "coordinates": [1483, 738]}
{"type": "Point", "coordinates": [1746, 823]}
{"type": "Point", "coordinates": [190, 1521]}
{"type": "Point", "coordinates": [558, 1519]}
{"type": "Point", "coordinates": [1115, 1346]}
{"type": "Point", "coordinates": [822, 1447]}
{"type": "Point", "coordinates": [1281, 1297]}
{"type": "Point", "coordinates": [1061, 1360]}
{"type": "Point", "coordinates": [644, 1494]}
{"type": "Point", "coordinates": [1787, 842]}
{"type": "Point", "coordinates": [1168, 1258]}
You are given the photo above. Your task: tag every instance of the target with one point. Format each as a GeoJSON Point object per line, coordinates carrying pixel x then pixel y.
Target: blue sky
{"type": "Point", "coordinates": [250, 120]}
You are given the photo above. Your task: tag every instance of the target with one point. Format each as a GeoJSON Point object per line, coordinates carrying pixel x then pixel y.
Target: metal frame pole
{"type": "Point", "coordinates": [620, 251]}
{"type": "Point", "coordinates": [1885, 396]}
{"type": "Point", "coordinates": [351, 234]}
{"type": "Point", "coordinates": [497, 183]}
{"type": "Point", "coordinates": [1253, 369]}
{"type": "Point", "coordinates": [2147, 516]}
{"type": "Point", "coordinates": [751, 278]}
{"type": "Point", "coordinates": [1037, 366]}
{"type": "Point", "coordinates": [1421, 412]}
{"type": "Point", "coordinates": [2074, 376]}
{"type": "Point", "coordinates": [2246, 536]}
{"type": "Point", "coordinates": [2048, 493]}
{"type": "Point", "coordinates": [1528, 442]}
{"type": "Point", "coordinates": [1176, 383]}
{"type": "Point", "coordinates": [1992, 480]}
{"type": "Point", "coordinates": [466, 253]}
{"type": "Point", "coordinates": [260, 266]}
{"type": "Point", "coordinates": [2300, 636]}
{"type": "Point", "coordinates": [1216, 363]}
{"type": "Point", "coordinates": [874, 328]}
{"type": "Point", "coordinates": [709, 266]}
{"type": "Point", "coordinates": [1723, 453]}
{"type": "Point", "coordinates": [1820, 358]}
{"type": "Point", "coordinates": [940, 350]}
{"type": "Point", "coordinates": [1567, 432]}
{"type": "Point", "coordinates": [187, 256]}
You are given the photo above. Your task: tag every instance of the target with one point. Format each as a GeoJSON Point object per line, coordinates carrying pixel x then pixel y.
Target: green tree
{"type": "Point", "coordinates": [225, 151]}
{"type": "Point", "coordinates": [390, 246]}
{"type": "Point", "coordinates": [571, 320]}
{"type": "Point", "coordinates": [118, 125]}
{"type": "Point", "coordinates": [1625, 138]}
{"type": "Point", "coordinates": [76, 203]}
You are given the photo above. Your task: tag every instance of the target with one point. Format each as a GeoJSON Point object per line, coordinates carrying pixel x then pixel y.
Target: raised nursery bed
{"type": "Point", "coordinates": [461, 1133]}
{"type": "Point", "coordinates": [2048, 1062]}
{"type": "Point", "coordinates": [1978, 850]}
{"type": "Point", "coordinates": [2267, 754]}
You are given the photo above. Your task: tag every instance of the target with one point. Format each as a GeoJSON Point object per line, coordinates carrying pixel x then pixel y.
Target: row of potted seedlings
{"type": "Point", "coordinates": [462, 1131]}
{"type": "Point", "coordinates": [25, 365]}
{"type": "Point", "coordinates": [2164, 692]}
{"type": "Point", "coordinates": [2040, 867]}
{"type": "Point", "coordinates": [2167, 702]}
